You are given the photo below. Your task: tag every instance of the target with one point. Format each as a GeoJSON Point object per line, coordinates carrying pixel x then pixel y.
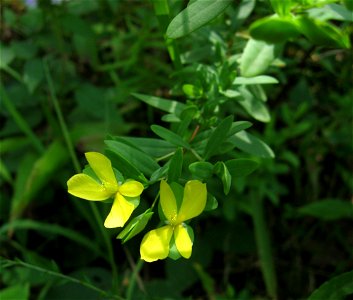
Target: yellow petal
{"type": "Point", "coordinates": [155, 244]}
{"type": "Point", "coordinates": [194, 200]}
{"type": "Point", "coordinates": [183, 241]}
{"type": "Point", "coordinates": [168, 202]}
{"type": "Point", "coordinates": [131, 189]}
{"type": "Point", "coordinates": [120, 212]}
{"type": "Point", "coordinates": [102, 166]}
{"type": "Point", "coordinates": [85, 187]}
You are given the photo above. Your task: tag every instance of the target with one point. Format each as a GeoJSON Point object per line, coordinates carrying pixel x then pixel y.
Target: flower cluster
{"type": "Point", "coordinates": [102, 185]}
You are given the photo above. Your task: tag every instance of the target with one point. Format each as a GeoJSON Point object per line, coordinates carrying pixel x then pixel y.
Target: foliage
{"type": "Point", "coordinates": [252, 98]}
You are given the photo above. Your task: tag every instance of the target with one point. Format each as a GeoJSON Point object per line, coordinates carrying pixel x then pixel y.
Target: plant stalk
{"type": "Point", "coordinates": [264, 248]}
{"type": "Point", "coordinates": [162, 12]}
{"type": "Point", "coordinates": [77, 166]}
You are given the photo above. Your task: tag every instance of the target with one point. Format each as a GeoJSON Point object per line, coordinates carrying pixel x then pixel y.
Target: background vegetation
{"type": "Point", "coordinates": [70, 71]}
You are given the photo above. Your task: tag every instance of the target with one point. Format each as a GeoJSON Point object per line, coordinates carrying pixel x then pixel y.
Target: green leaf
{"type": "Point", "coordinates": [222, 172]}
{"type": "Point", "coordinates": [251, 144]}
{"type": "Point", "coordinates": [322, 33]}
{"type": "Point", "coordinates": [337, 288]}
{"type": "Point", "coordinates": [171, 106]}
{"type": "Point", "coordinates": [34, 176]}
{"type": "Point", "coordinates": [169, 136]}
{"type": "Point", "coordinates": [153, 147]}
{"type": "Point", "coordinates": [239, 126]}
{"type": "Point", "coordinates": [211, 203]}
{"type": "Point", "coordinates": [217, 137]}
{"type": "Point", "coordinates": [160, 173]}
{"type": "Point", "coordinates": [274, 29]}
{"type": "Point", "coordinates": [201, 169]}
{"type": "Point", "coordinates": [32, 21]}
{"type": "Point", "coordinates": [196, 15]}
{"type": "Point", "coordinates": [282, 8]}
{"type": "Point", "coordinates": [331, 11]}
{"type": "Point", "coordinates": [192, 91]}
{"type": "Point", "coordinates": [135, 157]}
{"type": "Point", "coordinates": [348, 4]}
{"type": "Point", "coordinates": [135, 226]}
{"type": "Point", "coordinates": [175, 166]}
{"type": "Point", "coordinates": [6, 56]}
{"type": "Point", "coordinates": [125, 167]}
{"type": "Point", "coordinates": [33, 74]}
{"type": "Point", "coordinates": [13, 143]}
{"type": "Point", "coordinates": [241, 166]}
{"type": "Point", "coordinates": [328, 210]}
{"type": "Point", "coordinates": [262, 79]}
{"type": "Point", "coordinates": [256, 58]}
{"type": "Point", "coordinates": [52, 229]}
{"type": "Point", "coordinates": [186, 117]}
{"type": "Point", "coordinates": [254, 106]}
{"type": "Point", "coordinates": [15, 292]}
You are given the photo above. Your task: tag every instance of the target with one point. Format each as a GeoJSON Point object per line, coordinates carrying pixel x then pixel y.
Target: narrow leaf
{"type": "Point", "coordinates": [329, 209]}
{"type": "Point", "coordinates": [196, 15]}
{"type": "Point", "coordinates": [37, 174]}
{"type": "Point", "coordinates": [169, 136]}
{"type": "Point", "coordinates": [274, 29]}
{"type": "Point", "coordinates": [223, 173]}
{"type": "Point", "coordinates": [142, 161]}
{"type": "Point", "coordinates": [52, 229]}
{"type": "Point", "coordinates": [251, 144]}
{"type": "Point", "coordinates": [217, 137]}
{"type": "Point", "coordinates": [201, 169]}
{"type": "Point", "coordinates": [256, 58]}
{"type": "Point", "coordinates": [339, 287]}
{"type": "Point", "coordinates": [323, 33]}
{"type": "Point", "coordinates": [241, 167]}
{"type": "Point", "coordinates": [175, 166]}
{"type": "Point", "coordinates": [153, 147]}
{"type": "Point", "coordinates": [171, 106]}
{"type": "Point", "coordinates": [135, 226]}
{"type": "Point", "coordinates": [254, 106]}
{"type": "Point", "coordinates": [262, 79]}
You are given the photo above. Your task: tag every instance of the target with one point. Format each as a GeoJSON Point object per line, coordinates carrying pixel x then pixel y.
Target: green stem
{"type": "Point", "coordinates": [75, 161]}
{"type": "Point", "coordinates": [161, 9]}
{"type": "Point", "coordinates": [10, 263]}
{"type": "Point", "coordinates": [20, 121]}
{"type": "Point", "coordinates": [134, 276]}
{"type": "Point", "coordinates": [13, 73]}
{"type": "Point", "coordinates": [196, 155]}
{"type": "Point", "coordinates": [264, 248]}
{"type": "Point", "coordinates": [60, 117]}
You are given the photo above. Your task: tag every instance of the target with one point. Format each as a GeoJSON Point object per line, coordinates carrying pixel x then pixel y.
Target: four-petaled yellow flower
{"type": "Point", "coordinates": [155, 244]}
{"type": "Point", "coordinates": [85, 187]}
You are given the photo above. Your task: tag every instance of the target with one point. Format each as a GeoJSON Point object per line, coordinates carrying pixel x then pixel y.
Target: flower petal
{"type": "Point", "coordinates": [85, 187]}
{"type": "Point", "coordinates": [155, 244]}
{"type": "Point", "coordinates": [131, 188]}
{"type": "Point", "coordinates": [183, 241]}
{"type": "Point", "coordinates": [194, 200]}
{"type": "Point", "coordinates": [102, 166]}
{"type": "Point", "coordinates": [168, 202]}
{"type": "Point", "coordinates": [120, 212]}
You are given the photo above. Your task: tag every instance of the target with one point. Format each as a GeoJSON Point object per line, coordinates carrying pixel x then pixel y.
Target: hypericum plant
{"type": "Point", "coordinates": [205, 148]}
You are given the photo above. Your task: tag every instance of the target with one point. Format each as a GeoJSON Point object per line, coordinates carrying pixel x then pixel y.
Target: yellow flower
{"type": "Point", "coordinates": [155, 244]}
{"type": "Point", "coordinates": [85, 187]}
